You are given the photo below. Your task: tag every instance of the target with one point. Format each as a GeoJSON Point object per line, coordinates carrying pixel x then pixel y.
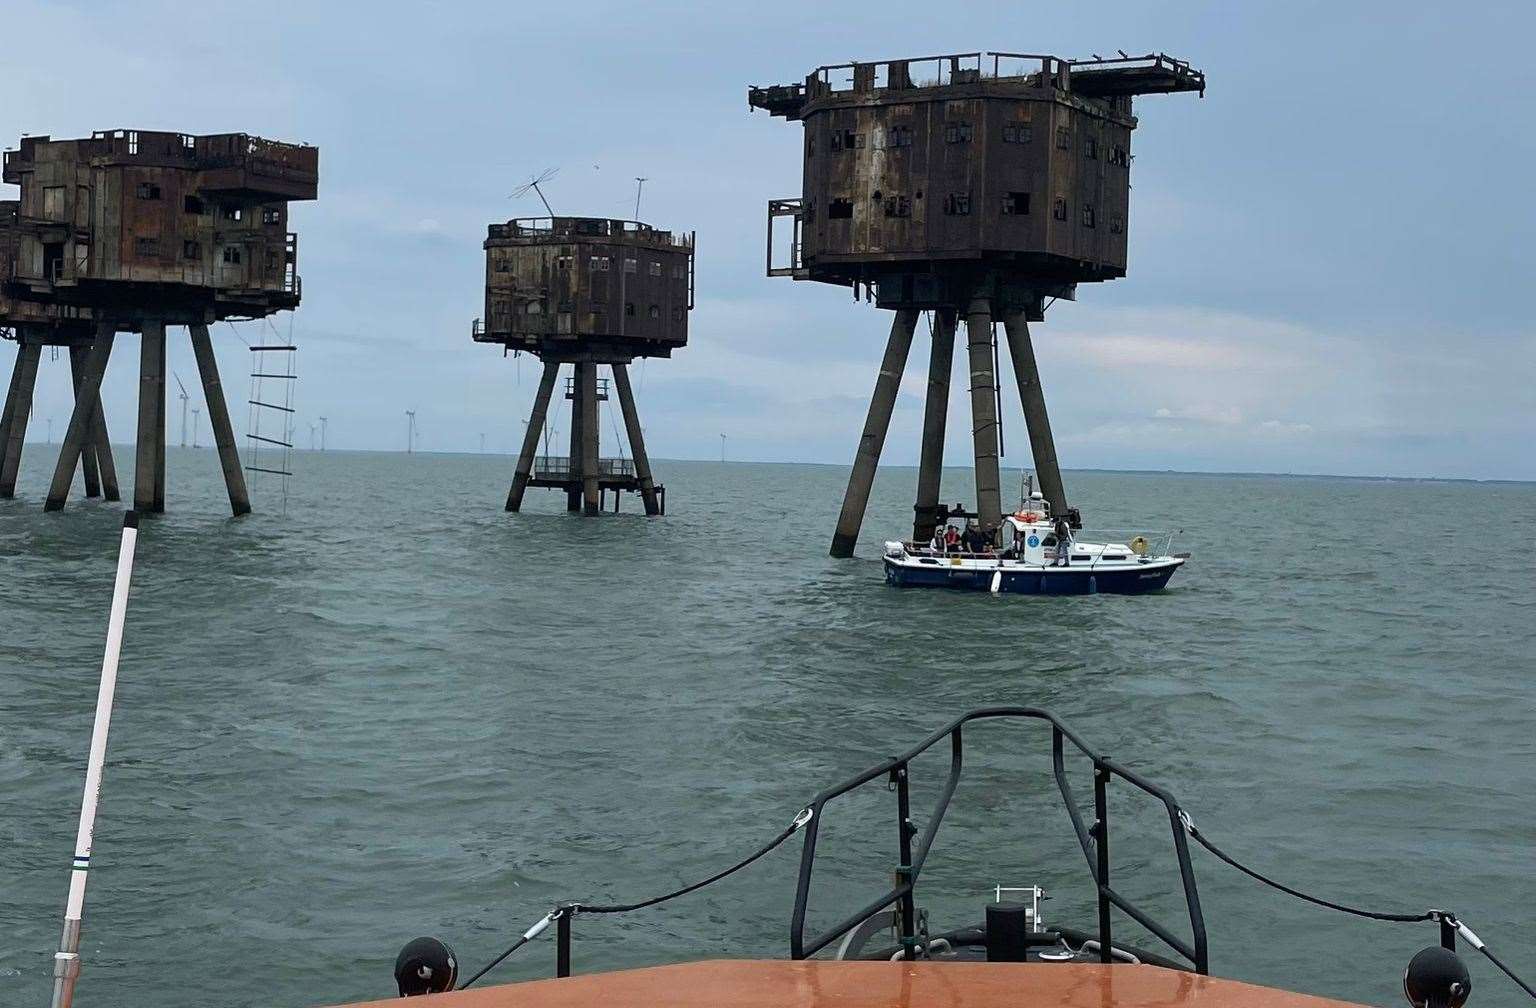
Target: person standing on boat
{"type": "Point", "coordinates": [1062, 534]}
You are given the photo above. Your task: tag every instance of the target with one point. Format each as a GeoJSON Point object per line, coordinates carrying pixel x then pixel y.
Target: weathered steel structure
{"type": "Point", "coordinates": [134, 231]}
{"type": "Point", "coordinates": [586, 291]}
{"type": "Point", "coordinates": [980, 186]}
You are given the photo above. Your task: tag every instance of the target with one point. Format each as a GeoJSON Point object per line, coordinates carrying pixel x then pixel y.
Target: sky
{"type": "Point", "coordinates": [1330, 252]}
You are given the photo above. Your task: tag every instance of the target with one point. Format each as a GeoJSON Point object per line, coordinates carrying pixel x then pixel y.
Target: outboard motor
{"type": "Point", "coordinates": [426, 966]}
{"type": "Point", "coordinates": [1437, 978]}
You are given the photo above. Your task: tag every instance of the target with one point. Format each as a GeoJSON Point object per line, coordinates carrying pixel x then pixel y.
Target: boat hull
{"type": "Point", "coordinates": [1023, 580]}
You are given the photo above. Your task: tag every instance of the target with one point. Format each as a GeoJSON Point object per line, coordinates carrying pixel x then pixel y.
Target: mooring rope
{"type": "Point", "coordinates": [572, 909]}
{"type": "Point", "coordinates": [1442, 916]}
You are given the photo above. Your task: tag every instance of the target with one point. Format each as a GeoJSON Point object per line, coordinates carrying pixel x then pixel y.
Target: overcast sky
{"type": "Point", "coordinates": [1330, 254]}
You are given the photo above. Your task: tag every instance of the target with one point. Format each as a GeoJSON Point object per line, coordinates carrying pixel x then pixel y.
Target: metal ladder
{"type": "Point", "coordinates": [269, 430]}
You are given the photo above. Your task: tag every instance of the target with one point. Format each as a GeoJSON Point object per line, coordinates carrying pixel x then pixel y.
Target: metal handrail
{"type": "Point", "coordinates": [1094, 841]}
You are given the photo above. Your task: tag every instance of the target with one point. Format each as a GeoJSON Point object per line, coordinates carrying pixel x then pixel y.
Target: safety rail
{"type": "Point", "coordinates": [1093, 839]}
{"type": "Point", "coordinates": [589, 227]}
{"type": "Point", "coordinates": [560, 467]}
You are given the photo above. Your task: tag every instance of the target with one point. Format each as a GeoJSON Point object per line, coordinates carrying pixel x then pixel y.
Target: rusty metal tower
{"type": "Point", "coordinates": [978, 186]}
{"type": "Point", "coordinates": [586, 291]}
{"type": "Point", "coordinates": [134, 231]}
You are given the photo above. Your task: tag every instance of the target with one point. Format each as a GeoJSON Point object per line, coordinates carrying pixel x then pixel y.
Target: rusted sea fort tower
{"type": "Point", "coordinates": [586, 291]}
{"type": "Point", "coordinates": [980, 186]}
{"type": "Point", "coordinates": [134, 231]}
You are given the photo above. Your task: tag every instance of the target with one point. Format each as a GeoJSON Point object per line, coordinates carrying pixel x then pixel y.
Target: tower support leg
{"type": "Point", "coordinates": [18, 412]}
{"type": "Point", "coordinates": [876, 423]}
{"type": "Point", "coordinates": [151, 394]}
{"type": "Point", "coordinates": [218, 417]}
{"type": "Point", "coordinates": [1041, 445]}
{"type": "Point", "coordinates": [636, 440]}
{"type": "Point", "coordinates": [77, 354]}
{"type": "Point", "coordinates": [160, 435]}
{"type": "Point", "coordinates": [81, 421]}
{"type": "Point", "coordinates": [98, 435]}
{"type": "Point", "coordinates": [989, 498]}
{"type": "Point", "coordinates": [930, 469]}
{"type": "Point", "coordinates": [531, 436]}
{"type": "Point", "coordinates": [573, 489]}
{"type": "Point", "coordinates": [590, 432]}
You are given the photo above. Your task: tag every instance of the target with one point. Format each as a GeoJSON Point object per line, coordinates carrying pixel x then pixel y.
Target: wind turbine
{"type": "Point", "coordinates": [182, 395]}
{"type": "Point", "coordinates": [311, 437]}
{"type": "Point", "coordinates": [722, 447]}
{"type": "Point", "coordinates": [410, 431]}
{"type": "Point", "coordinates": [534, 183]}
{"type": "Point", "coordinates": [195, 414]}
{"type": "Point", "coordinates": [322, 433]}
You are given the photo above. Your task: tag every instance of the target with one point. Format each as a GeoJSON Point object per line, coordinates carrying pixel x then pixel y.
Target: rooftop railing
{"type": "Point", "coordinates": [584, 227]}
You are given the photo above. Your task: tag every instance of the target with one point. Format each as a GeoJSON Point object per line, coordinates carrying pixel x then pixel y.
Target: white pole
{"type": "Point", "coordinates": [66, 962]}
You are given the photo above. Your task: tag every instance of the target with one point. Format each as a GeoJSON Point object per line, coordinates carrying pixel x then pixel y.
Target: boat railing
{"type": "Point", "coordinates": [1093, 838]}
{"type": "Point", "coordinates": [1140, 541]}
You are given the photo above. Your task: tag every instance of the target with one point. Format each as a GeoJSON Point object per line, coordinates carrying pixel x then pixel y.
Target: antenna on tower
{"type": "Point", "coordinates": [182, 395]}
{"type": "Point", "coordinates": [639, 187]}
{"type": "Point", "coordinates": [534, 183]}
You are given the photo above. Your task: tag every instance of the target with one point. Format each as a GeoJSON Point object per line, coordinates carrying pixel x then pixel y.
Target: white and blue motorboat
{"type": "Point", "coordinates": [1038, 563]}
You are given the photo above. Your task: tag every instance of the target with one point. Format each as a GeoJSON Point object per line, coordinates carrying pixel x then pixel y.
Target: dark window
{"type": "Point", "coordinates": [597, 264]}
{"type": "Point", "coordinates": [957, 204]}
{"type": "Point", "coordinates": [192, 205]}
{"type": "Point", "coordinates": [840, 209]}
{"type": "Point", "coordinates": [1063, 138]}
{"type": "Point", "coordinates": [234, 213]}
{"type": "Point", "coordinates": [957, 132]}
{"type": "Point", "coordinates": [271, 262]}
{"type": "Point", "coordinates": [1091, 147]}
{"type": "Point", "coordinates": [810, 146]}
{"type": "Point", "coordinates": [232, 254]}
{"type": "Point", "coordinates": [677, 314]}
{"type": "Point", "coordinates": [1081, 558]}
{"type": "Point", "coordinates": [1117, 224]}
{"type": "Point", "coordinates": [271, 215]}
{"type": "Point", "coordinates": [899, 136]}
{"type": "Point", "coordinates": [655, 269]}
{"type": "Point", "coordinates": [191, 250]}
{"type": "Point", "coordinates": [629, 308]}
{"type": "Point", "coordinates": [1018, 134]}
{"type": "Point", "coordinates": [898, 206]}
{"type": "Point", "coordinates": [503, 264]}
{"type": "Point", "coordinates": [847, 140]}
{"type": "Point", "coordinates": [1016, 204]}
{"type": "Point", "coordinates": [1059, 208]}
{"type": "Point", "coordinates": [1088, 215]}
{"type": "Point", "coordinates": [148, 190]}
{"type": "Point", "coordinates": [1118, 156]}
{"type": "Point", "coordinates": [655, 311]}
{"type": "Point", "coordinates": [146, 246]}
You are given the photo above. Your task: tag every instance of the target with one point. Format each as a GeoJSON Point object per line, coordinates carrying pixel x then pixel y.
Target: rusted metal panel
{"type": "Point", "coordinates": [132, 224]}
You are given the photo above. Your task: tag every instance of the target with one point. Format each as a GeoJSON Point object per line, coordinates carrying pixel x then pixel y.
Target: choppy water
{"type": "Point", "coordinates": [398, 710]}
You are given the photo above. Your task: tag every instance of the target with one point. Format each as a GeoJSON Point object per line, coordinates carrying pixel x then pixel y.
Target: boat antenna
{"type": "Point", "coordinates": [66, 962]}
{"type": "Point", "coordinates": [534, 183]}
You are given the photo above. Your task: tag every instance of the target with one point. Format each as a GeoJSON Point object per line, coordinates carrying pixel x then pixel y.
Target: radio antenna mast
{"type": "Point", "coordinates": [639, 187]}
{"type": "Point", "coordinates": [534, 183]}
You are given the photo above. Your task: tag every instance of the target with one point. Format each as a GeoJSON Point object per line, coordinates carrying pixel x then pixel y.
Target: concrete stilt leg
{"type": "Point", "coordinates": [81, 421]}
{"type": "Point", "coordinates": [876, 423]}
{"type": "Point", "coordinates": [160, 433]}
{"type": "Point", "coordinates": [218, 418]}
{"type": "Point", "coordinates": [24, 380]}
{"type": "Point", "coordinates": [989, 498]}
{"type": "Point", "coordinates": [930, 469]}
{"type": "Point", "coordinates": [151, 392]}
{"type": "Point", "coordinates": [1041, 445]}
{"type": "Point", "coordinates": [573, 494]}
{"type": "Point", "coordinates": [590, 434]}
{"type": "Point", "coordinates": [103, 444]}
{"type": "Point", "coordinates": [636, 439]}
{"type": "Point", "coordinates": [77, 354]}
{"type": "Point", "coordinates": [9, 407]}
{"type": "Point", "coordinates": [531, 436]}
